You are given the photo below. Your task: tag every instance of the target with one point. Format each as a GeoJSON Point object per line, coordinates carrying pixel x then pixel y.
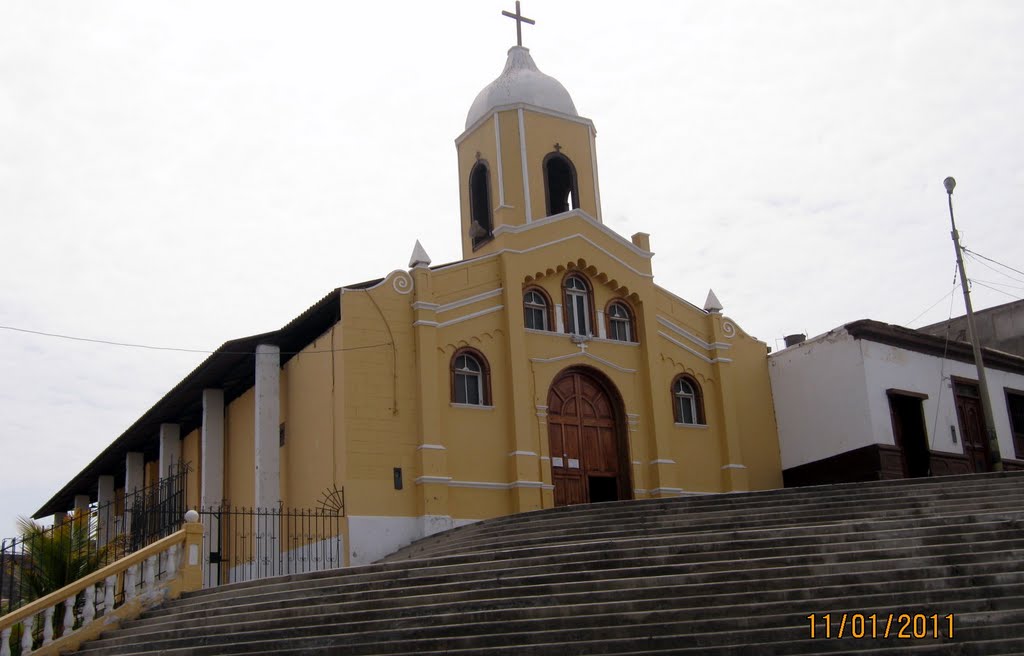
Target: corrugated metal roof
{"type": "Point", "coordinates": [232, 368]}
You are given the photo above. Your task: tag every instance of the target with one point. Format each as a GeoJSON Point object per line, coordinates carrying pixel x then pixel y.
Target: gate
{"type": "Point", "coordinates": [246, 544]}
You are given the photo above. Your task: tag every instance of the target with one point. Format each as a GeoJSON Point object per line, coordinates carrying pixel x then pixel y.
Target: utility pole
{"type": "Point", "coordinates": [991, 442]}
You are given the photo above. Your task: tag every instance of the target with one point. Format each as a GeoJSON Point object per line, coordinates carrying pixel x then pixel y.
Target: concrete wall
{"type": "Point", "coordinates": [820, 394]}
{"type": "Point", "coordinates": [1000, 327]}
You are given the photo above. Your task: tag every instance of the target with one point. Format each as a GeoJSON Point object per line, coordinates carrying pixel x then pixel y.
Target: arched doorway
{"type": "Point", "coordinates": [587, 439]}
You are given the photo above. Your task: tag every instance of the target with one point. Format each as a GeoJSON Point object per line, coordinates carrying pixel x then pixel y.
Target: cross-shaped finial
{"type": "Point", "coordinates": [519, 19]}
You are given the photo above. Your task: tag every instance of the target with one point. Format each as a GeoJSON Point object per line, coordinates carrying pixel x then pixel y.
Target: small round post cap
{"type": "Point", "coordinates": [949, 183]}
{"type": "Point", "coordinates": [191, 517]}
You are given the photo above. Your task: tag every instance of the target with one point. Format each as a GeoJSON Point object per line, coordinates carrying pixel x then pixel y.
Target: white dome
{"type": "Point", "coordinates": [521, 82]}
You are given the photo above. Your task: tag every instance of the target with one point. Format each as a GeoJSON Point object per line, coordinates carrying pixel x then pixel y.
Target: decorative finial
{"type": "Point", "coordinates": [419, 256]}
{"type": "Point", "coordinates": [519, 19]}
{"type": "Point", "coordinates": [712, 304]}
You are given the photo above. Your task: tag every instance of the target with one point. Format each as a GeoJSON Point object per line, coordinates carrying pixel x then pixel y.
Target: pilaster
{"type": "Point", "coordinates": [268, 425]}
{"type": "Point", "coordinates": [431, 452]}
{"type": "Point", "coordinates": [170, 449]}
{"type": "Point", "coordinates": [524, 442]}
{"type": "Point", "coordinates": [105, 507]}
{"type": "Point", "coordinates": [212, 449]}
{"type": "Point", "coordinates": [735, 477]}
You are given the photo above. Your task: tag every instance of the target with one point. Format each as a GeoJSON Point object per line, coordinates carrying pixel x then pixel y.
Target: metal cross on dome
{"type": "Point", "coordinates": [519, 19]}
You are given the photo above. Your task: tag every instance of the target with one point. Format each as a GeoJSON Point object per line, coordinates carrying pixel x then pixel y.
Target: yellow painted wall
{"type": "Point", "coordinates": [239, 446]}
{"type": "Point", "coordinates": [190, 454]}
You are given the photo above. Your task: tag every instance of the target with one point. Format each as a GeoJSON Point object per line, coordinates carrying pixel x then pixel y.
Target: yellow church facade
{"type": "Point", "coordinates": [544, 368]}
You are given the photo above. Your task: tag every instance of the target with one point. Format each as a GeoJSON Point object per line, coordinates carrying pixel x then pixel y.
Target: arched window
{"type": "Point", "coordinates": [479, 204]}
{"type": "Point", "coordinates": [577, 306]}
{"type": "Point", "coordinates": [560, 184]}
{"type": "Point", "coordinates": [687, 404]}
{"type": "Point", "coordinates": [536, 310]}
{"type": "Point", "coordinates": [620, 322]}
{"type": "Point", "coordinates": [470, 378]}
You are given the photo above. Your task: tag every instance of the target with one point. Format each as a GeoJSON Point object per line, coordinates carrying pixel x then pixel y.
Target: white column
{"type": "Point", "coordinates": [170, 448]}
{"type": "Point", "coordinates": [268, 423]}
{"type": "Point", "coordinates": [600, 325]}
{"type": "Point", "coordinates": [81, 504]}
{"type": "Point", "coordinates": [134, 480]}
{"type": "Point", "coordinates": [105, 508]}
{"type": "Point", "coordinates": [212, 450]}
{"type": "Point", "coordinates": [211, 493]}
{"type": "Point", "coordinates": [559, 319]}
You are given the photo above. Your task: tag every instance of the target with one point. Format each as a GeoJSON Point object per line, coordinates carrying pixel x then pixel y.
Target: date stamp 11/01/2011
{"type": "Point", "coordinates": [901, 626]}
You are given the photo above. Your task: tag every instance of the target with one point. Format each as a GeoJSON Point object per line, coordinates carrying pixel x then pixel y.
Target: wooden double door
{"type": "Point", "coordinates": [589, 455]}
{"type": "Point", "coordinates": [972, 425]}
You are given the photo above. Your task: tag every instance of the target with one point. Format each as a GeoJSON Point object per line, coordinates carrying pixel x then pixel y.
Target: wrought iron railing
{"type": "Point", "coordinates": [244, 544]}
{"type": "Point", "coordinates": [44, 559]}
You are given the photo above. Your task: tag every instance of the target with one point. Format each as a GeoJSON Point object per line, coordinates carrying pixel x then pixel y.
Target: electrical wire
{"type": "Point", "coordinates": [997, 290]}
{"type": "Point", "coordinates": [944, 296]}
{"type": "Point", "coordinates": [999, 284]}
{"type": "Point", "coordinates": [1006, 266]}
{"type": "Point", "coordinates": [174, 348]}
{"type": "Point", "coordinates": [1002, 273]}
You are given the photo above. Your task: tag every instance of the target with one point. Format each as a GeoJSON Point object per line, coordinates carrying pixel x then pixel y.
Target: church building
{"type": "Point", "coordinates": [544, 368]}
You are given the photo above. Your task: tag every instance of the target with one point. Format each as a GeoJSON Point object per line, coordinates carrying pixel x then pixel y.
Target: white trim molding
{"type": "Point", "coordinates": [522, 453]}
{"type": "Point", "coordinates": [662, 461]}
{"type": "Point", "coordinates": [471, 406]}
{"type": "Point", "coordinates": [468, 300]}
{"type": "Point", "coordinates": [467, 317]}
{"type": "Point", "coordinates": [669, 490]}
{"type": "Point", "coordinates": [526, 168]}
{"type": "Point", "coordinates": [575, 213]}
{"type": "Point", "coordinates": [431, 447]}
{"type": "Point", "coordinates": [497, 148]}
{"type": "Point", "coordinates": [424, 480]}
{"type": "Point", "coordinates": [581, 354]}
{"type": "Point", "coordinates": [733, 466]}
{"type": "Point", "coordinates": [687, 348]}
{"type": "Point", "coordinates": [690, 336]}
{"type": "Point", "coordinates": [489, 485]}
{"type": "Point", "coordinates": [680, 424]}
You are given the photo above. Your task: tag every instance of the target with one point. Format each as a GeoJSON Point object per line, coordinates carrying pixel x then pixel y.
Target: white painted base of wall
{"type": "Point", "coordinates": [311, 558]}
{"type": "Point", "coordinates": [372, 538]}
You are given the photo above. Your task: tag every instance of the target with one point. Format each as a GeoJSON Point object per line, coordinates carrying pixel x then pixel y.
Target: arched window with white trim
{"type": "Point", "coordinates": [577, 306]}
{"type": "Point", "coordinates": [536, 310]}
{"type": "Point", "coordinates": [620, 322]}
{"type": "Point", "coordinates": [687, 404]}
{"type": "Point", "coordinates": [470, 378]}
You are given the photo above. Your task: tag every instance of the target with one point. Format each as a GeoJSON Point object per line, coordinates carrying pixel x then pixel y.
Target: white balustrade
{"type": "Point", "coordinates": [89, 609]}
{"type": "Point", "coordinates": [5, 642]}
{"type": "Point", "coordinates": [48, 625]}
{"type": "Point", "coordinates": [26, 635]}
{"type": "Point", "coordinates": [172, 561]}
{"type": "Point", "coordinates": [69, 614]}
{"type": "Point", "coordinates": [149, 574]}
{"type": "Point", "coordinates": [108, 593]}
{"type": "Point", "coordinates": [130, 581]}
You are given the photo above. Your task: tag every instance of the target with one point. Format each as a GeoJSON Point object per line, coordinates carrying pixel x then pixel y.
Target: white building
{"type": "Point", "coordinates": [869, 401]}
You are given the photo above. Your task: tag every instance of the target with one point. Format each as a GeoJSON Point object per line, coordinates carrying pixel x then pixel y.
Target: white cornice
{"type": "Point", "coordinates": [574, 213]}
{"type": "Point", "coordinates": [690, 350]}
{"type": "Point", "coordinates": [533, 108]}
{"type": "Point", "coordinates": [467, 317]}
{"type": "Point", "coordinates": [469, 300]}
{"type": "Point", "coordinates": [580, 354]}
{"type": "Point", "coordinates": [690, 336]}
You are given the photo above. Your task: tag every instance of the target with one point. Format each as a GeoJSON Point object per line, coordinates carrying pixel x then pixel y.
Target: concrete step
{"type": "Point", "coordinates": [601, 634]}
{"type": "Point", "coordinates": [482, 615]}
{"type": "Point", "coordinates": [722, 574]}
{"type": "Point", "coordinates": [597, 554]}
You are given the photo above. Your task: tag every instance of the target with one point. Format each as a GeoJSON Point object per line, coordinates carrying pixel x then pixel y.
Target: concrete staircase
{"type": "Point", "coordinates": [715, 574]}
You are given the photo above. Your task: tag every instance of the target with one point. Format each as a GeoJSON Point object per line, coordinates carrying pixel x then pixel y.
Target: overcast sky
{"type": "Point", "coordinates": [183, 173]}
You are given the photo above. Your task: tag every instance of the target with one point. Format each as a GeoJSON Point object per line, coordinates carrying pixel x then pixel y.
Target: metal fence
{"type": "Point", "coordinates": [45, 559]}
{"type": "Point", "coordinates": [245, 544]}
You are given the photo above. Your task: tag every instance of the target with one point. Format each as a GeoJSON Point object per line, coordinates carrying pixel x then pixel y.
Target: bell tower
{"type": "Point", "coordinates": [526, 154]}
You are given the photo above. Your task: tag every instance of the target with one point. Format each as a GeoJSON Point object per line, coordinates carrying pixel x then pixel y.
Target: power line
{"type": "Point", "coordinates": [1000, 284]}
{"type": "Point", "coordinates": [174, 348]}
{"type": "Point", "coordinates": [944, 297]}
{"type": "Point", "coordinates": [993, 269]}
{"type": "Point", "coordinates": [996, 290]}
{"type": "Point", "coordinates": [994, 261]}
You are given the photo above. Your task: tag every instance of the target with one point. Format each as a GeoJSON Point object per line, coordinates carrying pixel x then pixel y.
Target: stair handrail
{"type": "Point", "coordinates": [183, 574]}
